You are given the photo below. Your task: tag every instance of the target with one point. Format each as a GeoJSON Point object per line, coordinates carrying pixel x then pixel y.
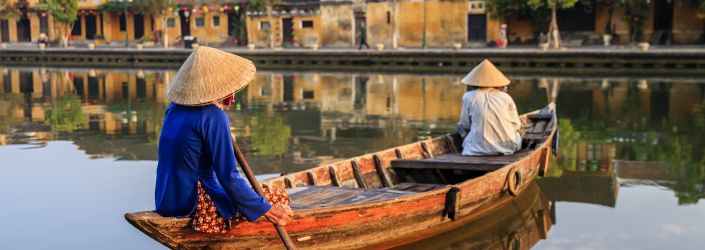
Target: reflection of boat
{"type": "Point", "coordinates": [383, 199]}
{"type": "Point", "coordinates": [519, 224]}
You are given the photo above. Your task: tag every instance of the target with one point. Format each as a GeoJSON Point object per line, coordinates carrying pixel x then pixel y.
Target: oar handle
{"type": "Point", "coordinates": [256, 186]}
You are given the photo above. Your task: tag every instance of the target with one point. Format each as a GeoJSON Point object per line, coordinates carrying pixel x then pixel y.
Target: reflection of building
{"type": "Point", "coordinates": [331, 114]}
{"type": "Point", "coordinates": [639, 172]}
{"type": "Point", "coordinates": [595, 157]}
{"type": "Point", "coordinates": [576, 187]}
{"type": "Point", "coordinates": [108, 102]}
{"type": "Point", "coordinates": [640, 104]}
{"type": "Point", "coordinates": [355, 101]}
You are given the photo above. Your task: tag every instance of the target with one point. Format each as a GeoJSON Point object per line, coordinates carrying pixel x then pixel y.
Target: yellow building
{"type": "Point", "coordinates": [667, 22]}
{"type": "Point", "coordinates": [405, 23]}
{"type": "Point", "coordinates": [338, 23]}
{"type": "Point", "coordinates": [291, 25]}
{"type": "Point", "coordinates": [434, 23]}
{"type": "Point", "coordinates": [211, 24]}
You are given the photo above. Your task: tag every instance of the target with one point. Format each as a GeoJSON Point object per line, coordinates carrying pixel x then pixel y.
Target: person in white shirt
{"type": "Point", "coordinates": [489, 122]}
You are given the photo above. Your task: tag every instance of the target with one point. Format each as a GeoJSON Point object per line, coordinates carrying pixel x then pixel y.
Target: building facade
{"type": "Point", "coordinates": [211, 24]}
{"type": "Point", "coordinates": [338, 23]}
{"type": "Point", "coordinates": [666, 22]}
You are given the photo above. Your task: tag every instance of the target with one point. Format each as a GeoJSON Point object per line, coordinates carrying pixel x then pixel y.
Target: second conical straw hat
{"type": "Point", "coordinates": [485, 74]}
{"type": "Point", "coordinates": [207, 75]}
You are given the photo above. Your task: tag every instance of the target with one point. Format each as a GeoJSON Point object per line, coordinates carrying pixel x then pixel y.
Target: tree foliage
{"type": "Point", "coordinates": [8, 8]}
{"type": "Point", "coordinates": [64, 11]}
{"type": "Point", "coordinates": [560, 4]}
{"type": "Point", "coordinates": [64, 114]}
{"type": "Point", "coordinates": [270, 135]}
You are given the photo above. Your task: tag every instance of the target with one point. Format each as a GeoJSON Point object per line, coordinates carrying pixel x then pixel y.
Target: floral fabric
{"type": "Point", "coordinates": [207, 220]}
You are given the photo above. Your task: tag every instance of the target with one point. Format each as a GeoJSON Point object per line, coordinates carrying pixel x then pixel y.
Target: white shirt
{"type": "Point", "coordinates": [493, 121]}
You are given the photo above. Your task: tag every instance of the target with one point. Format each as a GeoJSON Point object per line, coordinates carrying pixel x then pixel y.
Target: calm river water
{"type": "Point", "coordinates": [78, 149]}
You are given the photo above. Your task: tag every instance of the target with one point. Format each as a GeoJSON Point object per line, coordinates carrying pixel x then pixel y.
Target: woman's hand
{"type": "Point", "coordinates": [279, 214]}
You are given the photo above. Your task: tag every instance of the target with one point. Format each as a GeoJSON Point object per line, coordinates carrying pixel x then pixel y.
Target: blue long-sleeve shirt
{"type": "Point", "coordinates": [195, 144]}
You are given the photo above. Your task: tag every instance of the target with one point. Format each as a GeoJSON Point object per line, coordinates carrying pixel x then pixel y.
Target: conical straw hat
{"type": "Point", "coordinates": [485, 74]}
{"type": "Point", "coordinates": [208, 75]}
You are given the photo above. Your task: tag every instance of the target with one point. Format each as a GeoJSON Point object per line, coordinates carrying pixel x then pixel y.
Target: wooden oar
{"type": "Point", "coordinates": [255, 185]}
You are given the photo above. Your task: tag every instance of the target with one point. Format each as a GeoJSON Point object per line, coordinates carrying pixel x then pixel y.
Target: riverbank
{"type": "Point", "coordinates": [613, 60]}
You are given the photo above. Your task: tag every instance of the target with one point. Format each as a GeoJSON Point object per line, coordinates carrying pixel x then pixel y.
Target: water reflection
{"type": "Point", "coordinates": [617, 135]}
{"type": "Point", "coordinates": [638, 132]}
{"type": "Point", "coordinates": [519, 224]}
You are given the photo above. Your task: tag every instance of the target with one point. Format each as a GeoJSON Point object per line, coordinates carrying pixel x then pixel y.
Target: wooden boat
{"type": "Point", "coordinates": [383, 199]}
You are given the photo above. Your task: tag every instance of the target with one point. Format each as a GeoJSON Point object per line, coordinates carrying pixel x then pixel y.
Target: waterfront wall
{"type": "Point", "coordinates": [610, 62]}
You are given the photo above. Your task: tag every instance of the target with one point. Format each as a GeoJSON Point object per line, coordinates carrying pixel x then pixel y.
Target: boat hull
{"type": "Point", "coordinates": [385, 223]}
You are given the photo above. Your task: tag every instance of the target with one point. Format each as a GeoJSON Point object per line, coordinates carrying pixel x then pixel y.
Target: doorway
{"type": "Point", "coordinates": [76, 30]}
{"type": "Point", "coordinates": [79, 86]}
{"type": "Point", "coordinates": [93, 90]}
{"type": "Point", "coordinates": [477, 27]}
{"type": "Point", "coordinates": [138, 25]}
{"type": "Point", "coordinates": [359, 22]}
{"type": "Point", "coordinates": [44, 23]}
{"type": "Point", "coordinates": [288, 88]}
{"type": "Point", "coordinates": [184, 20]}
{"type": "Point", "coordinates": [91, 27]}
{"type": "Point", "coordinates": [4, 30]}
{"type": "Point", "coordinates": [580, 18]}
{"type": "Point", "coordinates": [663, 21]}
{"type": "Point", "coordinates": [288, 30]}
{"type": "Point", "coordinates": [236, 28]}
{"type": "Point", "coordinates": [23, 31]}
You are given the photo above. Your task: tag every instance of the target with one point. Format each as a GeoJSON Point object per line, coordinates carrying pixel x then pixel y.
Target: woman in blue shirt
{"type": "Point", "coordinates": [197, 168]}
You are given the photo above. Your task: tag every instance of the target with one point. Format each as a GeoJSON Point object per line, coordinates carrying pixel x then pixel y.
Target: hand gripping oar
{"type": "Point", "coordinates": [255, 185]}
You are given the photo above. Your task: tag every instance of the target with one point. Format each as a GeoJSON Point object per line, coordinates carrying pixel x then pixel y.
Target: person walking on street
{"type": "Point", "coordinates": [503, 36]}
{"type": "Point", "coordinates": [363, 37]}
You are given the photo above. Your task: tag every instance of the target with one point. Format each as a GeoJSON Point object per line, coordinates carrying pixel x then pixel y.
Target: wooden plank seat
{"type": "Point", "coordinates": [456, 161]}
{"type": "Point", "coordinates": [323, 196]}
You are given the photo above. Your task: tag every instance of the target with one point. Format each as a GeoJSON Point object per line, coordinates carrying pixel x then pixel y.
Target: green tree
{"type": "Point", "coordinates": [8, 8]}
{"type": "Point", "coordinates": [65, 13]}
{"type": "Point", "coordinates": [554, 5]}
{"type": "Point", "coordinates": [64, 114]}
{"type": "Point", "coordinates": [270, 135]}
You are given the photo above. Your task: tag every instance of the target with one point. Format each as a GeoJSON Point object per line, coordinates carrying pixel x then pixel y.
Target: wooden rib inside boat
{"type": "Point", "coordinates": [383, 198]}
